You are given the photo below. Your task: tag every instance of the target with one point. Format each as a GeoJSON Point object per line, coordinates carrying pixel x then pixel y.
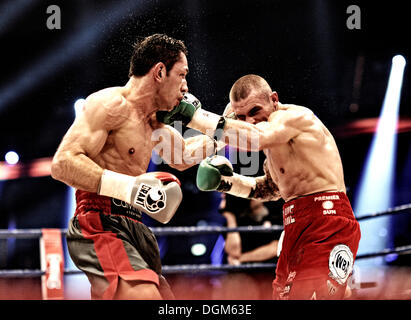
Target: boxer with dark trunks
{"type": "Point", "coordinates": [302, 166]}
{"type": "Point", "coordinates": [105, 155]}
{"type": "Point", "coordinates": [108, 241]}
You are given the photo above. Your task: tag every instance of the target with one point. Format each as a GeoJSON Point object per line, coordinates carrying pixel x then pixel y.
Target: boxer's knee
{"type": "Point", "coordinates": [137, 290]}
{"type": "Point", "coordinates": [165, 289]}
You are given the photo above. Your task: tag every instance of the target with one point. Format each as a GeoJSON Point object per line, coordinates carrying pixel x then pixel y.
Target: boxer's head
{"type": "Point", "coordinates": [154, 49]}
{"type": "Point", "coordinates": [252, 99]}
{"type": "Point", "coordinates": [163, 58]}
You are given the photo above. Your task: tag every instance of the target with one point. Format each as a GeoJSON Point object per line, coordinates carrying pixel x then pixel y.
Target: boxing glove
{"type": "Point", "coordinates": [158, 194]}
{"type": "Point", "coordinates": [184, 112]}
{"type": "Point", "coordinates": [190, 113]}
{"type": "Point", "coordinates": [216, 174]}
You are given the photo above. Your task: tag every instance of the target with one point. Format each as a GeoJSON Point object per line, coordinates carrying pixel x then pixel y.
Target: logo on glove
{"type": "Point", "coordinates": [189, 98]}
{"type": "Point", "coordinates": [152, 199]}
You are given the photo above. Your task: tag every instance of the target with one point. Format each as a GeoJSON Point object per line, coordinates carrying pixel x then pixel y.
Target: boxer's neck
{"type": "Point", "coordinates": [139, 92]}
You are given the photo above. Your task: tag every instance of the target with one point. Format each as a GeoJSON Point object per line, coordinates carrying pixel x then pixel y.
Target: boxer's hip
{"type": "Point", "coordinates": [107, 240]}
{"type": "Point", "coordinates": [316, 227]}
{"type": "Point", "coordinates": [318, 205]}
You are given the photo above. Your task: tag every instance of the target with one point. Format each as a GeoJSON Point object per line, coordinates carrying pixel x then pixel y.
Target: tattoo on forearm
{"type": "Point", "coordinates": [265, 189]}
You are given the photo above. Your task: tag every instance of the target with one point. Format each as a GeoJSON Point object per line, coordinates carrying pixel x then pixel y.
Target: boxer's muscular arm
{"type": "Point", "coordinates": [180, 153]}
{"type": "Point", "coordinates": [281, 128]}
{"type": "Point", "coordinates": [72, 163]}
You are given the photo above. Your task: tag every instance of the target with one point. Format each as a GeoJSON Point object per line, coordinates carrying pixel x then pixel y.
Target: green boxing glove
{"type": "Point", "coordinates": [216, 174]}
{"type": "Point", "coordinates": [210, 172]}
{"type": "Point", "coordinates": [184, 112]}
{"type": "Point", "coordinates": [190, 113]}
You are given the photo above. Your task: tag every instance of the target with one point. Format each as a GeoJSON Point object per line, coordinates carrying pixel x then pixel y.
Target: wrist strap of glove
{"type": "Point", "coordinates": [116, 185]}
{"type": "Point", "coordinates": [237, 185]}
{"type": "Point", "coordinates": [219, 130]}
{"type": "Point", "coordinates": [204, 121]}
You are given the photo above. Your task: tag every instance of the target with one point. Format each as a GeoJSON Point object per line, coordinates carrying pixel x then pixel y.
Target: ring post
{"type": "Point", "coordinates": [52, 263]}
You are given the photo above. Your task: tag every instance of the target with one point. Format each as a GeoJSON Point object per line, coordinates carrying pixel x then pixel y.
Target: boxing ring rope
{"type": "Point", "coordinates": [175, 269]}
{"type": "Point", "coordinates": [191, 230]}
{"type": "Point", "coordinates": [394, 210]}
{"type": "Point", "coordinates": [158, 231]}
{"type": "Point", "coordinates": [188, 230]}
{"type": "Point", "coordinates": [203, 268]}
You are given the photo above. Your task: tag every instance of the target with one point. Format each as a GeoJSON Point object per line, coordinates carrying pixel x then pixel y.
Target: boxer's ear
{"type": "Point", "coordinates": [229, 112]}
{"type": "Point", "coordinates": [274, 96]}
{"type": "Point", "coordinates": [159, 71]}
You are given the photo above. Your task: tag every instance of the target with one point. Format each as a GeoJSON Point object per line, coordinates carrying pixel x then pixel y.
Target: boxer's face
{"type": "Point", "coordinates": [256, 108]}
{"type": "Point", "coordinates": [175, 83]}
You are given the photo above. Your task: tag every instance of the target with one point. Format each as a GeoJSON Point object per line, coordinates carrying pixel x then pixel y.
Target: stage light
{"type": "Point", "coordinates": [198, 249]}
{"type": "Point", "coordinates": [78, 106]}
{"type": "Point", "coordinates": [202, 223]}
{"type": "Point", "coordinates": [376, 185]}
{"type": "Point", "coordinates": [399, 60]}
{"type": "Point", "coordinates": [12, 157]}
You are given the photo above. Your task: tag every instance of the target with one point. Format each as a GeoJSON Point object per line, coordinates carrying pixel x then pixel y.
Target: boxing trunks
{"type": "Point", "coordinates": [107, 240]}
{"type": "Point", "coordinates": [319, 248]}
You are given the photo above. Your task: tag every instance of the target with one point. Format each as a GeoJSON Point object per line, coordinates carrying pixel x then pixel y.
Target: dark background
{"type": "Point", "coordinates": [303, 48]}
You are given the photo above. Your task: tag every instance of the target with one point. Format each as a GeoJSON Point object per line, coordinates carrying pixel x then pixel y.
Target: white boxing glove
{"type": "Point", "coordinates": [158, 194]}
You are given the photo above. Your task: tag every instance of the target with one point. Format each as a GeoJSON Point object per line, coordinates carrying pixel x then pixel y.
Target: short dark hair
{"type": "Point", "coordinates": [242, 88]}
{"type": "Point", "coordinates": [154, 49]}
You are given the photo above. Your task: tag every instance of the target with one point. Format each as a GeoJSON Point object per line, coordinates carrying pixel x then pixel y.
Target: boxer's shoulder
{"type": "Point", "coordinates": [291, 111]}
{"type": "Point", "coordinates": [294, 107]}
{"type": "Point", "coordinates": [108, 98]}
{"type": "Point", "coordinates": [293, 116]}
{"type": "Point", "coordinates": [109, 105]}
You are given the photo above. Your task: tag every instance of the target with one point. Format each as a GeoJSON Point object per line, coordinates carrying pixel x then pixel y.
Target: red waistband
{"type": "Point", "coordinates": [322, 203]}
{"type": "Point", "coordinates": [89, 201]}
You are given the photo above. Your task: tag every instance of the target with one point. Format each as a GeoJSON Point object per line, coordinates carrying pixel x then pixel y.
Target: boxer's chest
{"type": "Point", "coordinates": [130, 147]}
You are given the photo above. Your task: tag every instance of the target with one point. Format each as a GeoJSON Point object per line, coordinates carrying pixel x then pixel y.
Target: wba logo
{"type": "Point", "coordinates": [340, 263]}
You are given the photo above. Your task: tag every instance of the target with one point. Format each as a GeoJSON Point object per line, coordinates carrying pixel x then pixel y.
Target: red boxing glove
{"type": "Point", "coordinates": [165, 177]}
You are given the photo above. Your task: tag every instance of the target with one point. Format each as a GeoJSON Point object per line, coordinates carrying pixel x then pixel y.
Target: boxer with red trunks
{"type": "Point", "coordinates": [105, 155]}
{"type": "Point", "coordinates": [302, 166]}
{"type": "Point", "coordinates": [321, 237]}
